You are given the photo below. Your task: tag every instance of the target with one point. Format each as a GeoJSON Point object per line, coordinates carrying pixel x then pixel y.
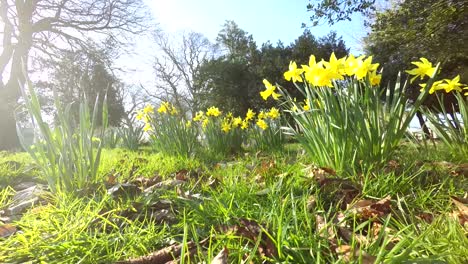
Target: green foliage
{"type": "Point", "coordinates": [111, 137]}
{"type": "Point", "coordinates": [335, 11]}
{"type": "Point", "coordinates": [69, 154]}
{"type": "Point", "coordinates": [221, 143]}
{"type": "Point", "coordinates": [231, 85]}
{"type": "Point", "coordinates": [232, 81]}
{"type": "Point", "coordinates": [412, 29]}
{"type": "Point", "coordinates": [274, 191]}
{"type": "Point", "coordinates": [87, 73]}
{"type": "Point", "coordinates": [170, 133]}
{"type": "Point", "coordinates": [450, 127]}
{"type": "Point", "coordinates": [352, 124]}
{"type": "Point", "coordinates": [131, 136]}
{"type": "Point", "coordinates": [269, 139]}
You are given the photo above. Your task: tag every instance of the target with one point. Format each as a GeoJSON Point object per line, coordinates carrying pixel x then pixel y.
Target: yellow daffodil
{"type": "Point", "coordinates": [174, 110]}
{"type": "Point", "coordinates": [261, 115]}
{"type": "Point", "coordinates": [293, 73]}
{"type": "Point", "coordinates": [306, 106]}
{"type": "Point", "coordinates": [270, 91]}
{"type": "Point", "coordinates": [237, 121]}
{"type": "Point", "coordinates": [424, 67]}
{"type": "Point", "coordinates": [465, 94]}
{"type": "Point", "coordinates": [262, 124]}
{"type": "Point", "coordinates": [317, 75]}
{"type": "Point", "coordinates": [452, 85]}
{"type": "Point", "coordinates": [245, 124]}
{"type": "Point", "coordinates": [375, 78]}
{"type": "Point", "coordinates": [352, 64]}
{"type": "Point", "coordinates": [148, 109]}
{"type": "Point", "coordinates": [140, 115]}
{"type": "Point", "coordinates": [364, 67]}
{"type": "Point", "coordinates": [188, 123]}
{"type": "Point", "coordinates": [336, 67]}
{"type": "Point", "coordinates": [273, 113]}
{"type": "Point", "coordinates": [250, 115]}
{"type": "Point", "coordinates": [199, 116]}
{"type": "Point", "coordinates": [226, 126]}
{"type": "Point", "coordinates": [435, 86]}
{"type": "Point", "coordinates": [147, 127]}
{"type": "Point", "coordinates": [205, 122]}
{"type": "Point", "coordinates": [213, 111]}
{"type": "Point", "coordinates": [164, 107]}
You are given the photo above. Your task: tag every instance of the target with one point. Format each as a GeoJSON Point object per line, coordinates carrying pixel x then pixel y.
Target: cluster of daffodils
{"type": "Point", "coordinates": [146, 114]}
{"type": "Point", "coordinates": [424, 68]}
{"type": "Point", "coordinates": [229, 122]}
{"type": "Point", "coordinates": [324, 73]}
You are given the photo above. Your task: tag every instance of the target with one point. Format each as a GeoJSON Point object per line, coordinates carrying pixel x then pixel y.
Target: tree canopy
{"type": "Point", "coordinates": [233, 80]}
{"type": "Point", "coordinates": [45, 28]}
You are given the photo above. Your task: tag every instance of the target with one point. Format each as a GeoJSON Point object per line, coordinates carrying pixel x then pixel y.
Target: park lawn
{"type": "Point", "coordinates": [252, 208]}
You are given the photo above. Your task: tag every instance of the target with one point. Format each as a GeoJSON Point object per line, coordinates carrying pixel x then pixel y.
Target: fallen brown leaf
{"type": "Point", "coordinates": [252, 230]}
{"type": "Point", "coordinates": [182, 175]}
{"type": "Point", "coordinates": [166, 255]}
{"type": "Point", "coordinates": [222, 257]}
{"type": "Point", "coordinates": [367, 209]}
{"type": "Point", "coordinates": [350, 255]}
{"type": "Point", "coordinates": [462, 213]}
{"type": "Point", "coordinates": [7, 230]}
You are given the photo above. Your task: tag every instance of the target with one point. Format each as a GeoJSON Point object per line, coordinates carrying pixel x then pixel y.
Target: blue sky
{"type": "Point", "coordinates": [265, 19]}
{"type": "Point", "coordinates": [271, 20]}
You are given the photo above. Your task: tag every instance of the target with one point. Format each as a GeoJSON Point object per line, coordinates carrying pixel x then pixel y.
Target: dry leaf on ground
{"type": "Point", "coordinates": [222, 257]}
{"type": "Point", "coordinates": [252, 231]}
{"type": "Point", "coordinates": [462, 214]}
{"type": "Point", "coordinates": [368, 209]}
{"type": "Point", "coordinates": [7, 230]}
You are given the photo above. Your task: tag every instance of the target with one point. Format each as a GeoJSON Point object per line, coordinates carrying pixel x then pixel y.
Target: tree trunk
{"type": "Point", "coordinates": [8, 136]}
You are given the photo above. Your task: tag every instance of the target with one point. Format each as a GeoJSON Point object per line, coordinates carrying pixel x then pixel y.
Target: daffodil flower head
{"type": "Point", "coordinates": [452, 85]}
{"type": "Point", "coordinates": [261, 115]}
{"type": "Point", "coordinates": [147, 127]}
{"type": "Point", "coordinates": [365, 67]}
{"type": "Point", "coordinates": [317, 75]}
{"type": "Point", "coordinates": [226, 125]}
{"type": "Point", "coordinates": [148, 109]}
{"type": "Point", "coordinates": [306, 106]}
{"type": "Point", "coordinates": [205, 122]}
{"type": "Point", "coordinates": [270, 91]}
{"type": "Point", "coordinates": [173, 110]}
{"type": "Point", "coordinates": [437, 85]}
{"type": "Point", "coordinates": [375, 78]}
{"type": "Point", "coordinates": [262, 124]}
{"type": "Point", "coordinates": [237, 121]}
{"type": "Point", "coordinates": [140, 115]}
{"type": "Point", "coordinates": [335, 67]}
{"type": "Point", "coordinates": [245, 124]}
{"type": "Point", "coordinates": [293, 73]}
{"type": "Point", "coordinates": [213, 111]}
{"type": "Point", "coordinates": [423, 68]}
{"type": "Point", "coordinates": [351, 65]}
{"type": "Point", "coordinates": [164, 107]}
{"type": "Point", "coordinates": [250, 114]}
{"type": "Point", "coordinates": [273, 113]}
{"type": "Point", "coordinates": [198, 116]}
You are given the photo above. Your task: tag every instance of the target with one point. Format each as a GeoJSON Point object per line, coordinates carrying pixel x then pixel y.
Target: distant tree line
{"type": "Point", "coordinates": [229, 73]}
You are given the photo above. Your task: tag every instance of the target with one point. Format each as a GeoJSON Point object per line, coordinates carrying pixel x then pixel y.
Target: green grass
{"type": "Point", "coordinates": [274, 190]}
